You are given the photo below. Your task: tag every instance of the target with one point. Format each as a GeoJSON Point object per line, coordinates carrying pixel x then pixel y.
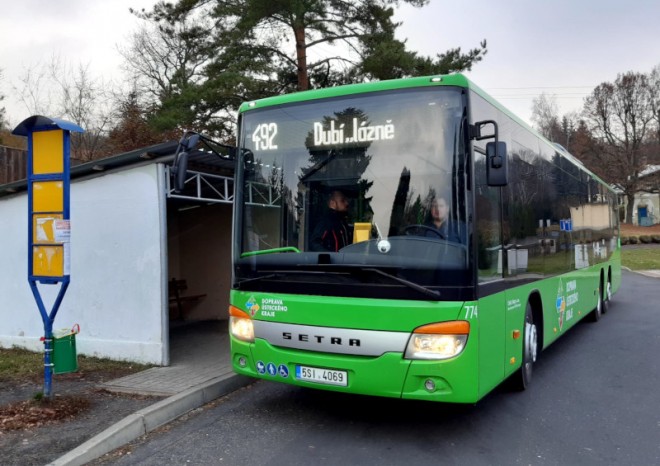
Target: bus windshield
{"type": "Point", "coordinates": [365, 188]}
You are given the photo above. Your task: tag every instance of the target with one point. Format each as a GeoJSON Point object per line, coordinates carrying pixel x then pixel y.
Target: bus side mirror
{"type": "Point", "coordinates": [497, 173]}
{"type": "Point", "coordinates": [180, 171]}
{"type": "Point", "coordinates": [180, 163]}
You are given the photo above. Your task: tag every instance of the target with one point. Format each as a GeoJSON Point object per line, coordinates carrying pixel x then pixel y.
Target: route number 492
{"type": "Point", "coordinates": [264, 136]}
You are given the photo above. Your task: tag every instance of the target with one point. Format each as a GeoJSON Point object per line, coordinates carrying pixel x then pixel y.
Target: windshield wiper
{"type": "Point", "coordinates": [336, 268]}
{"type": "Point", "coordinates": [275, 274]}
{"type": "Point", "coordinates": [240, 283]}
{"type": "Point", "coordinates": [269, 251]}
{"type": "Point", "coordinates": [408, 283]}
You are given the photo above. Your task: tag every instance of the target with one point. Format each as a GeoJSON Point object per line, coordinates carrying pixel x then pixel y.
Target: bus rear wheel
{"type": "Point", "coordinates": [598, 312]}
{"type": "Point", "coordinates": [523, 378]}
{"type": "Point", "coordinates": [608, 296]}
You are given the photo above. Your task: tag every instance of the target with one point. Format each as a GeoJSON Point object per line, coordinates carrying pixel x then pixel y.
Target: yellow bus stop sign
{"type": "Point", "coordinates": [48, 197]}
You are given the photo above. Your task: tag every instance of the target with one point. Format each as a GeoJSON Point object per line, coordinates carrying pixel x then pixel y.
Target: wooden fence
{"type": "Point", "coordinates": [13, 164]}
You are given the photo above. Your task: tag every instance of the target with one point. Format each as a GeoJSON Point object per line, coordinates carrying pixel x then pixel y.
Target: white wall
{"type": "Point", "coordinates": [652, 203]}
{"type": "Point", "coordinates": [117, 269]}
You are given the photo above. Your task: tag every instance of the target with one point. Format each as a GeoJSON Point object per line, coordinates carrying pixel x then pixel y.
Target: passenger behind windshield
{"type": "Point", "coordinates": [333, 233]}
{"type": "Point", "coordinates": [438, 223]}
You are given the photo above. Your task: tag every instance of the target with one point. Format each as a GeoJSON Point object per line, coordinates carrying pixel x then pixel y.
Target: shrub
{"type": "Point", "coordinates": [633, 240]}
{"type": "Point", "coordinates": [646, 239]}
{"type": "Point", "coordinates": [655, 238]}
{"type": "Point", "coordinates": [624, 240]}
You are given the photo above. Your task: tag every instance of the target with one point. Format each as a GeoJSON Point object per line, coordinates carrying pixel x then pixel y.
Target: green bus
{"type": "Point", "coordinates": [468, 242]}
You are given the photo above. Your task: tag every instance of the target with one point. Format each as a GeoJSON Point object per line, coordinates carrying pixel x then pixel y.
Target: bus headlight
{"type": "Point", "coordinates": [438, 341]}
{"type": "Point", "coordinates": [240, 325]}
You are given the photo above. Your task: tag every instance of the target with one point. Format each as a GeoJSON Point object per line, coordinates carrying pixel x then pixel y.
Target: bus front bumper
{"type": "Point", "coordinates": [389, 375]}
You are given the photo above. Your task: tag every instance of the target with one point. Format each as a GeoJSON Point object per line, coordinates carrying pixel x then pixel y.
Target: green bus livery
{"type": "Point", "coordinates": [411, 239]}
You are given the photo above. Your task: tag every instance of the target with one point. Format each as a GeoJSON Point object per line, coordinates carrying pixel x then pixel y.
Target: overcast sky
{"type": "Point", "coordinates": [563, 48]}
{"type": "Point", "coordinates": [79, 32]}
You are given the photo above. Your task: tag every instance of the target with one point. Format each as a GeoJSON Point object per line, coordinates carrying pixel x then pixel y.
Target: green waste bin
{"type": "Point", "coordinates": [65, 357]}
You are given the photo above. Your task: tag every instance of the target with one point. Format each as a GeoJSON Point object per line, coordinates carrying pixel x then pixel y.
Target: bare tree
{"type": "Point", "coordinates": [59, 90]}
{"type": "Point", "coordinates": [167, 62]}
{"type": "Point", "coordinates": [85, 101]}
{"type": "Point", "coordinates": [2, 109]}
{"type": "Point", "coordinates": [33, 91]}
{"type": "Point", "coordinates": [556, 128]}
{"type": "Point", "coordinates": [654, 86]}
{"type": "Point", "coordinates": [163, 58]}
{"type": "Point", "coordinates": [620, 116]}
{"type": "Point", "coordinates": [545, 115]}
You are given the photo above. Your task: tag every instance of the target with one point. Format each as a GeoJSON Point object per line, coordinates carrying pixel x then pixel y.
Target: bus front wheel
{"type": "Point", "coordinates": [523, 377]}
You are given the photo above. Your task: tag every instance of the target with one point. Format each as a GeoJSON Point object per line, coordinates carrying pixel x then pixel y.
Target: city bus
{"type": "Point", "coordinates": [400, 308]}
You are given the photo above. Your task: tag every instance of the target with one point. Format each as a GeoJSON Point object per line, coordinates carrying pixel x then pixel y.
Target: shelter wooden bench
{"type": "Point", "coordinates": [175, 288]}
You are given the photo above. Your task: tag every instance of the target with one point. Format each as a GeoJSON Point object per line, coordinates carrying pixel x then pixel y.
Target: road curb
{"type": "Point", "coordinates": [646, 273]}
{"type": "Point", "coordinates": [147, 419]}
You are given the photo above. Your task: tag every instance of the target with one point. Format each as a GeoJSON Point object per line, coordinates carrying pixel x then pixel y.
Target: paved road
{"type": "Point", "coordinates": [595, 399]}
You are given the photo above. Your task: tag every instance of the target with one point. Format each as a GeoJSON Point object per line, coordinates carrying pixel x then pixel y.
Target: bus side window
{"type": "Point", "coordinates": [488, 228]}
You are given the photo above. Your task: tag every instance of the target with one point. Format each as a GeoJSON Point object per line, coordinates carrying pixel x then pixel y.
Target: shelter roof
{"type": "Point", "coordinates": [164, 152]}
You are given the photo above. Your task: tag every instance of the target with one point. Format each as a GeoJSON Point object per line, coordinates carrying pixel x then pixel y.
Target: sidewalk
{"type": "Point", "coordinates": [200, 372]}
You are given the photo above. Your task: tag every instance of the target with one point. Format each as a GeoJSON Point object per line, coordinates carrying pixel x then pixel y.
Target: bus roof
{"type": "Point", "coordinates": [349, 89]}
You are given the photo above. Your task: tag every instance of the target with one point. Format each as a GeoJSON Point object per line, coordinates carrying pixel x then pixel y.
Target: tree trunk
{"type": "Point", "coordinates": [301, 57]}
{"type": "Point", "coordinates": [629, 208]}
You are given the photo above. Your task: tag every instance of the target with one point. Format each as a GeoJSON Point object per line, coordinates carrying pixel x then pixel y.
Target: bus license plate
{"type": "Point", "coordinates": [325, 376]}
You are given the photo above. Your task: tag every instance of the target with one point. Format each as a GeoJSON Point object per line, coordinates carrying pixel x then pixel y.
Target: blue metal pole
{"type": "Point", "coordinates": [48, 364]}
{"type": "Point", "coordinates": [48, 320]}
{"type": "Point", "coordinates": [48, 340]}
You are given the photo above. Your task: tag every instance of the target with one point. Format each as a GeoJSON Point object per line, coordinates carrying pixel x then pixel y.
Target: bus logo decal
{"type": "Point", "coordinates": [252, 306]}
{"type": "Point", "coordinates": [560, 304]}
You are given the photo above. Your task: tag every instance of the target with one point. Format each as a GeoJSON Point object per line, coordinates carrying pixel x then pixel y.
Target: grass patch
{"type": "Point", "coordinates": [641, 259]}
{"type": "Point", "coordinates": [20, 364]}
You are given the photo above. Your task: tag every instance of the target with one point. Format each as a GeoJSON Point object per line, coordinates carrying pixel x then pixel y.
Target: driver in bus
{"type": "Point", "coordinates": [333, 233]}
{"type": "Point", "coordinates": [439, 224]}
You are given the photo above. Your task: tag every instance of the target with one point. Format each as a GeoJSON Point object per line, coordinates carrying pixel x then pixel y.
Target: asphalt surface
{"type": "Point", "coordinates": [594, 400]}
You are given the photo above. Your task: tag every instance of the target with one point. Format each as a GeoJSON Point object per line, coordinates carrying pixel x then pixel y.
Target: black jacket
{"type": "Point", "coordinates": [331, 233]}
{"type": "Point", "coordinates": [449, 230]}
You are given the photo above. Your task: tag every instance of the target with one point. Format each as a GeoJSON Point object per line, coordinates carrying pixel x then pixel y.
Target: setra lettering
{"type": "Point", "coordinates": [320, 339]}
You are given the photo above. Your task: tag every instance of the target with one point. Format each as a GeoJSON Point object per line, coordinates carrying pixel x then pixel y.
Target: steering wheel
{"type": "Point", "coordinates": [408, 230]}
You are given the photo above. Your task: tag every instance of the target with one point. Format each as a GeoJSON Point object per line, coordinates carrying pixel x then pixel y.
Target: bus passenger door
{"type": "Point", "coordinates": [491, 290]}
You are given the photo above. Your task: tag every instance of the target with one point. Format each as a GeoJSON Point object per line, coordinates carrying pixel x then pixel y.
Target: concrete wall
{"type": "Point", "coordinates": [593, 216]}
{"type": "Point", "coordinates": [117, 293]}
{"type": "Point", "coordinates": [652, 203]}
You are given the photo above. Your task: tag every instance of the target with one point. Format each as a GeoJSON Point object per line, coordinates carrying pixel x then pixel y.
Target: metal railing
{"type": "Point", "coordinates": [207, 187]}
{"type": "Point", "coordinates": [220, 190]}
